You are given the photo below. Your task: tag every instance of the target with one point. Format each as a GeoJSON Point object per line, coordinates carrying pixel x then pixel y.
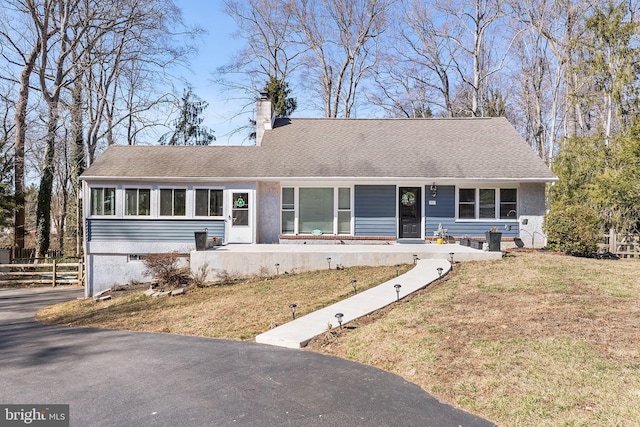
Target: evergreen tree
{"type": "Point", "coordinates": [612, 66]}
{"type": "Point", "coordinates": [278, 92]}
{"type": "Point", "coordinates": [601, 177]}
{"type": "Point", "coordinates": [188, 129]}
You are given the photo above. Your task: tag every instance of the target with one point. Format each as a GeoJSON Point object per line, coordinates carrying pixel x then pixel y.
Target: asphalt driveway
{"type": "Point", "coordinates": [118, 378]}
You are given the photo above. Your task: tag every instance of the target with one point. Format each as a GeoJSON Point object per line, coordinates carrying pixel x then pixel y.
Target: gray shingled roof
{"type": "Point", "coordinates": [482, 148]}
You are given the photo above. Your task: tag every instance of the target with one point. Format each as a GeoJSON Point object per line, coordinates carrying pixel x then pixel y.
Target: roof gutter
{"type": "Point", "coordinates": [309, 178]}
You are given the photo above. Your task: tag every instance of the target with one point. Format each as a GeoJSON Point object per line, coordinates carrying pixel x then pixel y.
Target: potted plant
{"type": "Point", "coordinates": [494, 237]}
{"type": "Point", "coordinates": [465, 240]}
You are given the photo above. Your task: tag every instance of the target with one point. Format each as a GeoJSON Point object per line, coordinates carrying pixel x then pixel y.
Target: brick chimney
{"type": "Point", "coordinates": [265, 116]}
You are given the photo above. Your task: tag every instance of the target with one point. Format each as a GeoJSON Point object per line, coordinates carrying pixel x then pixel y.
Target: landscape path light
{"type": "Point", "coordinates": [397, 286]}
{"type": "Point", "coordinates": [439, 271]}
{"type": "Point", "coordinates": [451, 258]}
{"type": "Point", "coordinates": [293, 310]}
{"type": "Point", "coordinates": [329, 262]}
{"type": "Point", "coordinates": [277, 268]}
{"type": "Point", "coordinates": [339, 316]}
{"type": "Point", "coordinates": [415, 259]}
{"type": "Point", "coordinates": [354, 282]}
{"type": "Point", "coordinates": [397, 270]}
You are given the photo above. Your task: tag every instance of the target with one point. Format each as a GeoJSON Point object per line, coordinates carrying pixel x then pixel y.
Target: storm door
{"type": "Point", "coordinates": [410, 210]}
{"type": "Point", "coordinates": [239, 223]}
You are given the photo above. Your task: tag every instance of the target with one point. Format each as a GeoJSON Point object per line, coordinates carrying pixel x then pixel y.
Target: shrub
{"type": "Point", "coordinates": [572, 229]}
{"type": "Point", "coordinates": [199, 279]}
{"type": "Point", "coordinates": [164, 267]}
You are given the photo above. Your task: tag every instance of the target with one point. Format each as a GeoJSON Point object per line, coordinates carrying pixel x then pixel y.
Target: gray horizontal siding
{"type": "Point", "coordinates": [375, 210]}
{"type": "Point", "coordinates": [445, 199]}
{"type": "Point", "coordinates": [150, 230]}
{"type": "Point", "coordinates": [472, 229]}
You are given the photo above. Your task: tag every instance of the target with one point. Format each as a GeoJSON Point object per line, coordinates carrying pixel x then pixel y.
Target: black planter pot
{"type": "Point", "coordinates": [476, 244]}
{"type": "Point", "coordinates": [465, 242]}
{"type": "Point", "coordinates": [493, 239]}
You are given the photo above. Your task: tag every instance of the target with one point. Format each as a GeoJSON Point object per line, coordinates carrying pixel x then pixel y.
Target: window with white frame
{"type": "Point", "coordinates": [137, 201]}
{"type": "Point", "coordinates": [508, 203]}
{"type": "Point", "coordinates": [288, 211]}
{"type": "Point", "coordinates": [344, 210]}
{"type": "Point", "coordinates": [208, 202]}
{"type": "Point", "coordinates": [173, 202]}
{"type": "Point", "coordinates": [316, 210]}
{"type": "Point", "coordinates": [467, 203]}
{"type": "Point", "coordinates": [487, 203]}
{"type": "Point", "coordinates": [103, 201]}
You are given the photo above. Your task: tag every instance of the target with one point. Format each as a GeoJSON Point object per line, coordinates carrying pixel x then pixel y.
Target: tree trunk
{"type": "Point", "coordinates": [77, 167]}
{"type": "Point", "coordinates": [18, 159]}
{"type": "Point", "coordinates": [43, 210]}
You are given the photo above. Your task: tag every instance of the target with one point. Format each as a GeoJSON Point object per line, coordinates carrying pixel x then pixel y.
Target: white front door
{"type": "Point", "coordinates": [240, 216]}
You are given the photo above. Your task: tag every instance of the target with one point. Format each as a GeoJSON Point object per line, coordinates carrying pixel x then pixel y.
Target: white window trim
{"type": "Point", "coordinates": [123, 191]}
{"type": "Point", "coordinates": [186, 201]}
{"type": "Point", "coordinates": [336, 200]}
{"type": "Point", "coordinates": [477, 203]}
{"type": "Point", "coordinates": [193, 202]}
{"type": "Point", "coordinates": [115, 201]}
{"type": "Point", "coordinates": [337, 210]}
{"type": "Point", "coordinates": [295, 210]}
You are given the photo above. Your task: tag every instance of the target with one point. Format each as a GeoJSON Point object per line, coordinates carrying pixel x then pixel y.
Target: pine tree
{"type": "Point", "coordinates": [278, 92]}
{"type": "Point", "coordinates": [188, 129]}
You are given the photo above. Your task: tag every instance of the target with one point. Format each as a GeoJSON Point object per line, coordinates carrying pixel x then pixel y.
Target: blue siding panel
{"type": "Point", "coordinates": [445, 199]}
{"type": "Point", "coordinates": [147, 230]}
{"type": "Point", "coordinates": [471, 228]}
{"type": "Point", "coordinates": [375, 210]}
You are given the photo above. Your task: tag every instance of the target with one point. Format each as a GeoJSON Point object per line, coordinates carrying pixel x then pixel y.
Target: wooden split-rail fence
{"type": "Point", "coordinates": [42, 272]}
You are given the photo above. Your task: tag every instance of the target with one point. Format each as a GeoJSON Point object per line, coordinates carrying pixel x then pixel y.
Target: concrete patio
{"type": "Point", "coordinates": [237, 260]}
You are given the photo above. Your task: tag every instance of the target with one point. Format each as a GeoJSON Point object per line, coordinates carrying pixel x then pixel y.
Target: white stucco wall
{"type": "Point", "coordinates": [268, 212]}
{"type": "Point", "coordinates": [107, 270]}
{"type": "Point", "coordinates": [108, 263]}
{"type": "Point", "coordinates": [532, 206]}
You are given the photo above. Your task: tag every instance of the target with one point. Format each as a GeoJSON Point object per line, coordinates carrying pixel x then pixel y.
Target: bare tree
{"type": "Point", "coordinates": [416, 75]}
{"type": "Point", "coordinates": [54, 23]}
{"type": "Point", "coordinates": [341, 38]}
{"type": "Point", "coordinates": [561, 24]}
{"type": "Point", "coordinates": [7, 130]}
{"type": "Point", "coordinates": [131, 53]}
{"type": "Point", "coordinates": [534, 75]}
{"type": "Point", "coordinates": [271, 50]}
{"type": "Point", "coordinates": [19, 38]}
{"type": "Point", "coordinates": [471, 27]}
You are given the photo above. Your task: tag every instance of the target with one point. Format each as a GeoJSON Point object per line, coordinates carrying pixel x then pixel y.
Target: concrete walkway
{"type": "Point", "coordinates": [298, 332]}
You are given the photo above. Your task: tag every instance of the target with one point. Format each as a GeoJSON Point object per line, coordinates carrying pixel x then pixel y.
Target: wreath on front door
{"type": "Point", "coordinates": [408, 199]}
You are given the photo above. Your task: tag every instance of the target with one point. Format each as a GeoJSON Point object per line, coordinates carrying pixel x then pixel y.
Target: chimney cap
{"type": "Point", "coordinates": [264, 95]}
